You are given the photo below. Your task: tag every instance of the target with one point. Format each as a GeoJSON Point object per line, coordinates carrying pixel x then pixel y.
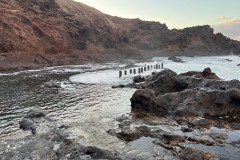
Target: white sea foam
{"type": "Point", "coordinates": [224, 66]}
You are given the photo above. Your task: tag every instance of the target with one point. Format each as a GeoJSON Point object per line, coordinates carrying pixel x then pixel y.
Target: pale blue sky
{"type": "Point", "coordinates": [175, 13]}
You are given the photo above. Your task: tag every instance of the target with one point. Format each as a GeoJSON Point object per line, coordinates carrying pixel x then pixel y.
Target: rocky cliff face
{"type": "Point", "coordinates": [49, 32]}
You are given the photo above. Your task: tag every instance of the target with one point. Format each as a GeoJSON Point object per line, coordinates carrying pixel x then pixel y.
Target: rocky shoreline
{"type": "Point", "coordinates": [189, 116]}
{"type": "Point", "coordinates": [185, 111]}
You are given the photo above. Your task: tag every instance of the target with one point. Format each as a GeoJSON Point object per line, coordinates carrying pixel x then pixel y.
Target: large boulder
{"type": "Point", "coordinates": [165, 82]}
{"type": "Point", "coordinates": [207, 74]}
{"type": "Point", "coordinates": [186, 95]}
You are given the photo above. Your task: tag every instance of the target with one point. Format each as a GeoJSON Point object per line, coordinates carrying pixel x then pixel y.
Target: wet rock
{"type": "Point", "coordinates": [119, 86]}
{"type": "Point", "coordinates": [77, 151]}
{"type": "Point", "coordinates": [154, 73]}
{"type": "Point", "coordinates": [34, 113]}
{"type": "Point", "coordinates": [175, 59]}
{"type": "Point", "coordinates": [52, 84]}
{"type": "Point", "coordinates": [145, 101]}
{"type": "Point", "coordinates": [193, 154]}
{"type": "Point", "coordinates": [207, 74]}
{"type": "Point", "coordinates": [238, 65]}
{"type": "Point", "coordinates": [216, 136]}
{"type": "Point", "coordinates": [229, 60]}
{"type": "Point", "coordinates": [173, 139]}
{"type": "Point", "coordinates": [185, 129]}
{"type": "Point", "coordinates": [167, 93]}
{"type": "Point", "coordinates": [138, 79]}
{"type": "Point", "coordinates": [131, 85]}
{"type": "Point", "coordinates": [126, 134]}
{"type": "Point", "coordinates": [28, 124]}
{"type": "Point", "coordinates": [201, 141]}
{"type": "Point", "coordinates": [97, 153]}
{"type": "Point", "coordinates": [163, 82]}
{"type": "Point", "coordinates": [202, 123]}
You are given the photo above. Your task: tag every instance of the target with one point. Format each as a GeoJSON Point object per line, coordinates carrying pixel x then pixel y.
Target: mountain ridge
{"type": "Point", "coordinates": [37, 33]}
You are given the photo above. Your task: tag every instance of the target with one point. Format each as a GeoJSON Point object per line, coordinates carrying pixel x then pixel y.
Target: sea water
{"type": "Point", "coordinates": [86, 100]}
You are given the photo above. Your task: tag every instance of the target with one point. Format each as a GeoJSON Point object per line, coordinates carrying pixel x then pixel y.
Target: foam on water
{"type": "Point", "coordinates": [101, 77]}
{"type": "Point", "coordinates": [224, 66]}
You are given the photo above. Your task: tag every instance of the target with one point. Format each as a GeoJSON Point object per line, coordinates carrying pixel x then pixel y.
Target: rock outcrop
{"type": "Point", "coordinates": [56, 32]}
{"type": "Point", "coordinates": [192, 94]}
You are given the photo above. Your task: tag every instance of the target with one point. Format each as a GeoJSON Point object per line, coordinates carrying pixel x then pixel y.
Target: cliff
{"type": "Point", "coordinates": [37, 33]}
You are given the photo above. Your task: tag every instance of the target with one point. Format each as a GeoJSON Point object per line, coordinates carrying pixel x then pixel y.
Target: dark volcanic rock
{"type": "Point", "coordinates": [165, 82]}
{"type": "Point", "coordinates": [78, 151]}
{"type": "Point", "coordinates": [138, 79]}
{"type": "Point", "coordinates": [128, 134]}
{"type": "Point", "coordinates": [33, 113]}
{"type": "Point", "coordinates": [28, 124]}
{"type": "Point", "coordinates": [185, 95]}
{"type": "Point", "coordinates": [207, 73]}
{"type": "Point", "coordinates": [192, 154]}
{"type": "Point", "coordinates": [175, 59]}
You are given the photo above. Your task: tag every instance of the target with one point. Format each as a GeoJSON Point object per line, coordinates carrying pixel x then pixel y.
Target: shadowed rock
{"type": "Point", "coordinates": [193, 154]}
{"type": "Point", "coordinates": [28, 124]}
{"type": "Point", "coordinates": [33, 113]}
{"type": "Point", "coordinates": [175, 59]}
{"type": "Point", "coordinates": [186, 95]}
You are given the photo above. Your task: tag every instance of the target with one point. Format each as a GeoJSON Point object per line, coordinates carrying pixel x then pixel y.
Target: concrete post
{"type": "Point", "coordinates": [162, 65]}
{"type": "Point", "coordinates": [120, 74]}
{"type": "Point", "coordinates": [148, 67]}
{"type": "Point", "coordinates": [125, 72]}
{"type": "Point", "coordinates": [134, 71]}
{"type": "Point", "coordinates": [145, 68]}
{"type": "Point", "coordinates": [141, 70]}
{"type": "Point", "coordinates": [130, 71]}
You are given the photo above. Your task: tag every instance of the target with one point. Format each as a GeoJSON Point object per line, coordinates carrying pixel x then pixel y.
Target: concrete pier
{"type": "Point", "coordinates": [140, 69]}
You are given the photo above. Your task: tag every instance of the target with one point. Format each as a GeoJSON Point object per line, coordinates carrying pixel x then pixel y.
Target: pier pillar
{"type": "Point", "coordinates": [145, 68]}
{"type": "Point", "coordinates": [120, 74]}
{"type": "Point", "coordinates": [134, 71]}
{"type": "Point", "coordinates": [162, 65]}
{"type": "Point", "coordinates": [125, 72]}
{"type": "Point", "coordinates": [148, 67]}
{"type": "Point", "coordinates": [130, 71]}
{"type": "Point", "coordinates": [141, 70]}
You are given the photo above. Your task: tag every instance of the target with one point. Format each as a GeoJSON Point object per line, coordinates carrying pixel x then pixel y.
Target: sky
{"type": "Point", "coordinates": [222, 15]}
